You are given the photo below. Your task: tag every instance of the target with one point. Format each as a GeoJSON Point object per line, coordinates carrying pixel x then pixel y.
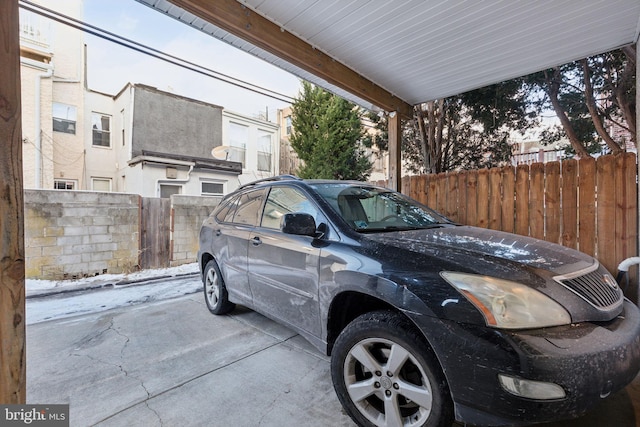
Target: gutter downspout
{"type": "Point", "coordinates": [38, 143]}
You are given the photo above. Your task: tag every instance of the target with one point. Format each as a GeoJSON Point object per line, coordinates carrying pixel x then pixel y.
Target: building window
{"type": "Point", "coordinates": [238, 138]}
{"type": "Point", "coordinates": [35, 29]}
{"type": "Point", "coordinates": [64, 118]}
{"type": "Point", "coordinates": [101, 127]}
{"type": "Point", "coordinates": [61, 184]}
{"type": "Point", "coordinates": [211, 188]}
{"type": "Point", "coordinates": [101, 184]}
{"type": "Point", "coordinates": [167, 190]}
{"type": "Point", "coordinates": [122, 121]}
{"type": "Point", "coordinates": [287, 125]}
{"type": "Point", "coordinates": [264, 151]}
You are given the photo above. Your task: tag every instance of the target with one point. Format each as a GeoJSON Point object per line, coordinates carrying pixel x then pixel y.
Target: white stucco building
{"type": "Point", "coordinates": [141, 140]}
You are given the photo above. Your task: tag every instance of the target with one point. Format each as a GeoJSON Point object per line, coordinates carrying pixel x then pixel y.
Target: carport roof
{"type": "Point", "coordinates": [395, 54]}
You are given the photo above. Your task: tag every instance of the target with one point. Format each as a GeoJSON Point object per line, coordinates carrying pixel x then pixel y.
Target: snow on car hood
{"type": "Point", "coordinates": [497, 244]}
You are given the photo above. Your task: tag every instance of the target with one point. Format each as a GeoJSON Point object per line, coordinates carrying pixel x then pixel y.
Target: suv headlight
{"type": "Point", "coordinates": [506, 304]}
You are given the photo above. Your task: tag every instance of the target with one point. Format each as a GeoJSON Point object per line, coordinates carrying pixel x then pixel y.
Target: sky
{"type": "Point", "coordinates": [111, 67]}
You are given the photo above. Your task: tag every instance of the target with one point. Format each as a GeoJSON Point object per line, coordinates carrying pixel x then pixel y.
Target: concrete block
{"type": "Point", "coordinates": [125, 229]}
{"type": "Point", "coordinates": [98, 230]}
{"type": "Point", "coordinates": [69, 259]}
{"type": "Point", "coordinates": [71, 221]}
{"type": "Point", "coordinates": [123, 253]}
{"type": "Point", "coordinates": [31, 252]}
{"type": "Point", "coordinates": [98, 266]}
{"type": "Point", "coordinates": [78, 249]}
{"type": "Point", "coordinates": [179, 256]}
{"type": "Point", "coordinates": [52, 272]}
{"type": "Point", "coordinates": [33, 270]}
{"type": "Point", "coordinates": [180, 226]}
{"type": "Point", "coordinates": [52, 250]}
{"type": "Point", "coordinates": [102, 220]}
{"type": "Point", "coordinates": [101, 256]}
{"type": "Point", "coordinates": [75, 231]}
{"type": "Point", "coordinates": [53, 231]}
{"type": "Point", "coordinates": [105, 247]}
{"type": "Point", "coordinates": [69, 240]}
{"type": "Point", "coordinates": [35, 226]}
{"type": "Point", "coordinates": [41, 241]}
{"type": "Point", "coordinates": [97, 238]}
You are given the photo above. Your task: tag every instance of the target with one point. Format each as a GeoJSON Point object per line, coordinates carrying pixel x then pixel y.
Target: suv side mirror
{"type": "Point", "coordinates": [301, 224]}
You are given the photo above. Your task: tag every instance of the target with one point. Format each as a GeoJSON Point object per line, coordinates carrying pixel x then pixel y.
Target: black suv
{"type": "Point", "coordinates": [426, 321]}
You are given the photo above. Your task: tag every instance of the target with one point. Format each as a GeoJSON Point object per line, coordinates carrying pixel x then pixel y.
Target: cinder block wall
{"type": "Point", "coordinates": [72, 234]}
{"type": "Point", "coordinates": [188, 213]}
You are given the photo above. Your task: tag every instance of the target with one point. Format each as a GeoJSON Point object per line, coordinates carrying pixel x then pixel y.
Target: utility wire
{"type": "Point", "coordinates": [147, 50]}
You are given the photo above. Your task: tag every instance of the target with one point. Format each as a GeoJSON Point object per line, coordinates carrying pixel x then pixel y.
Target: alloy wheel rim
{"type": "Point", "coordinates": [212, 288]}
{"type": "Point", "coordinates": [387, 384]}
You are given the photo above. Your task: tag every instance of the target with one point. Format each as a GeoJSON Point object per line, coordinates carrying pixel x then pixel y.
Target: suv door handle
{"type": "Point", "coordinates": [256, 241]}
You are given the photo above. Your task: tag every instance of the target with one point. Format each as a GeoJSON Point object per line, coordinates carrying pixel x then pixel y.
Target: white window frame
{"type": "Point", "coordinates": [70, 184]}
{"type": "Point", "coordinates": [98, 119]}
{"type": "Point", "coordinates": [162, 185]}
{"type": "Point", "coordinates": [66, 114]}
{"type": "Point", "coordinates": [288, 125]}
{"type": "Point", "coordinates": [265, 151]}
{"type": "Point", "coordinates": [211, 181]}
{"type": "Point", "coordinates": [238, 140]}
{"type": "Point", "coordinates": [95, 179]}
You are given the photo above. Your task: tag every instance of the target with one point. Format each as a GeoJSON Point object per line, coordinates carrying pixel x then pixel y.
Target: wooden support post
{"type": "Point", "coordinates": [636, 280]}
{"type": "Point", "coordinates": [12, 306]}
{"type": "Point", "coordinates": [395, 152]}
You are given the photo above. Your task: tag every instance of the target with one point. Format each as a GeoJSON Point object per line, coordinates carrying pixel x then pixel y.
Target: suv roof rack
{"type": "Point", "coordinates": [271, 179]}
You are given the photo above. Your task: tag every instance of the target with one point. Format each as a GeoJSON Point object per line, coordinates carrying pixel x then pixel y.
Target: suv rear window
{"type": "Point", "coordinates": [243, 209]}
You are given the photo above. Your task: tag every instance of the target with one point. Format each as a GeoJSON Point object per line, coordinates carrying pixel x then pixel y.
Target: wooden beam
{"type": "Point", "coordinates": [237, 19]}
{"type": "Point", "coordinates": [12, 305]}
{"type": "Point", "coordinates": [395, 151]}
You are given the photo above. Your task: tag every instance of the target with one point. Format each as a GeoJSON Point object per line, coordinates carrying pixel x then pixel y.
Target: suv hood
{"type": "Point", "coordinates": [522, 250]}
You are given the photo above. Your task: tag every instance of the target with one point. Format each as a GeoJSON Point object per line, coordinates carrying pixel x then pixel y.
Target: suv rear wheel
{"type": "Point", "coordinates": [215, 292]}
{"type": "Point", "coordinates": [384, 374]}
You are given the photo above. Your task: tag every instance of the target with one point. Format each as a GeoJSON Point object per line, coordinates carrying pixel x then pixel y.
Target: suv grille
{"type": "Point", "coordinates": [597, 288]}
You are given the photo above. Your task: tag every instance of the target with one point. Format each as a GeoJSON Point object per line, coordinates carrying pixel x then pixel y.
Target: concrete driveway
{"type": "Point", "coordinates": [171, 363]}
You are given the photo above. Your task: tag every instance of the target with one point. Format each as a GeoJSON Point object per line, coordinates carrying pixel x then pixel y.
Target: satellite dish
{"type": "Point", "coordinates": [221, 152]}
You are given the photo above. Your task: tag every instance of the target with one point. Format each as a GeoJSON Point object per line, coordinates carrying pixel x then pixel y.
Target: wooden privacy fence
{"type": "Point", "coordinates": [155, 233]}
{"type": "Point", "coordinates": [589, 204]}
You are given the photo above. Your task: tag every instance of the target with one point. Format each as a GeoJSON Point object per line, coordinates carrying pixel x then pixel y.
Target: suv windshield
{"type": "Point", "coordinates": [369, 209]}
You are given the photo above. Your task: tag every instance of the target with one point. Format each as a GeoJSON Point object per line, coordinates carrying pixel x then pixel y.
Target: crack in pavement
{"type": "Point", "coordinates": [127, 340]}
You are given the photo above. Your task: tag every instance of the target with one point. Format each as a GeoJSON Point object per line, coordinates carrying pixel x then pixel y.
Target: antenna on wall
{"type": "Point", "coordinates": [221, 152]}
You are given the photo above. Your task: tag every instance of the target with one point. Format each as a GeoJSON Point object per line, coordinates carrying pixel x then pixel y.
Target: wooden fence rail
{"type": "Point", "coordinates": [589, 204]}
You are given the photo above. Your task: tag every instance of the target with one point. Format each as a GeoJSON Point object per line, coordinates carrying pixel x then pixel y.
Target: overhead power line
{"type": "Point", "coordinates": [147, 50]}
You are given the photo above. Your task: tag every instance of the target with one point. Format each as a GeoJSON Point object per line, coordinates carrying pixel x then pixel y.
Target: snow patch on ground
{"type": "Point", "coordinates": [51, 300]}
{"type": "Point", "coordinates": [36, 287]}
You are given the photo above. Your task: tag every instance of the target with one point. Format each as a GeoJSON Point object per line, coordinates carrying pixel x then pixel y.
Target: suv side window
{"type": "Point", "coordinates": [248, 208]}
{"type": "Point", "coordinates": [284, 200]}
{"type": "Point", "coordinates": [225, 214]}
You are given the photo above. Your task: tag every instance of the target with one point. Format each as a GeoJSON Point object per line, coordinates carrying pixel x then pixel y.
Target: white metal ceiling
{"type": "Point", "coordinates": [420, 50]}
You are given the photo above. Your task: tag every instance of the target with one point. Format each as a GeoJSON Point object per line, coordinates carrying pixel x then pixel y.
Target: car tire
{"type": "Point", "coordinates": [215, 291]}
{"type": "Point", "coordinates": [410, 387]}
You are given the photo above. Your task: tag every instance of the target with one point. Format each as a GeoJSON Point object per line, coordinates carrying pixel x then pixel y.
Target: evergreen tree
{"type": "Point", "coordinates": [327, 135]}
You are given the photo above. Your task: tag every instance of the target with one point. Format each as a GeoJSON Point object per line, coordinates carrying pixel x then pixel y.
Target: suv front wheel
{"type": "Point", "coordinates": [384, 374]}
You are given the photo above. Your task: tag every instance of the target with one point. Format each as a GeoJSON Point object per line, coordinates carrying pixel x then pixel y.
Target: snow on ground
{"type": "Point", "coordinates": [50, 300]}
{"type": "Point", "coordinates": [35, 287]}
